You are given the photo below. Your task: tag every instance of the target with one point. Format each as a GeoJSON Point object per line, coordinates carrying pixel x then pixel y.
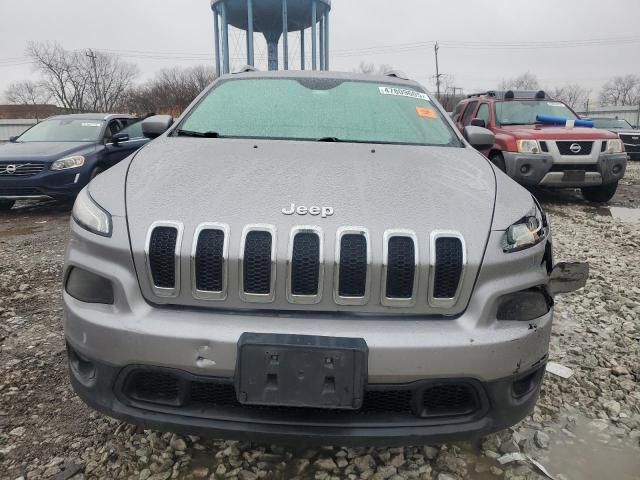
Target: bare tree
{"type": "Point", "coordinates": [526, 81]}
{"type": "Point", "coordinates": [81, 81]}
{"type": "Point", "coordinates": [621, 91]}
{"type": "Point", "coordinates": [27, 92]}
{"type": "Point", "coordinates": [573, 95]}
{"type": "Point", "coordinates": [371, 69]}
{"type": "Point", "coordinates": [171, 91]}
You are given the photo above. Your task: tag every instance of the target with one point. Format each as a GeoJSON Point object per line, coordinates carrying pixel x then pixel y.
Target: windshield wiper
{"type": "Point", "coordinates": [189, 133]}
{"type": "Point", "coordinates": [329, 139]}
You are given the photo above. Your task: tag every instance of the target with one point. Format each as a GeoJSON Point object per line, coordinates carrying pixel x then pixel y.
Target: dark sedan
{"type": "Point", "coordinates": [629, 134]}
{"type": "Point", "coordinates": [56, 158]}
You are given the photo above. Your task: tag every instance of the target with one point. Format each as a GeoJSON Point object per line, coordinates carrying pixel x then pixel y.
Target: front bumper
{"type": "Point", "coordinates": [472, 347]}
{"type": "Point", "coordinates": [45, 185]}
{"type": "Point", "coordinates": [500, 404]}
{"type": "Point", "coordinates": [543, 170]}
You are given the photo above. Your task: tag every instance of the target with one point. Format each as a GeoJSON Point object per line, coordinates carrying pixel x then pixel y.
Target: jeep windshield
{"type": "Point", "coordinates": [516, 112]}
{"type": "Point", "coordinates": [63, 130]}
{"type": "Point", "coordinates": [318, 110]}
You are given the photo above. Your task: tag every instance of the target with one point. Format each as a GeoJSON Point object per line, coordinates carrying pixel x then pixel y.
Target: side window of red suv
{"type": "Point", "coordinates": [483, 114]}
{"type": "Point", "coordinates": [468, 113]}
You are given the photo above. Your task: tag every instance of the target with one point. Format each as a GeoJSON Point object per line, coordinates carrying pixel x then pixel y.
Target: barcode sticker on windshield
{"type": "Point", "coordinates": [555, 104]}
{"type": "Point", "coordinates": [87, 124]}
{"type": "Point", "coordinates": [403, 92]}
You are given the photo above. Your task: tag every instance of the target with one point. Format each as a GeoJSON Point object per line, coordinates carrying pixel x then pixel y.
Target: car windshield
{"type": "Point", "coordinates": [516, 112]}
{"type": "Point", "coordinates": [64, 130]}
{"type": "Point", "coordinates": [319, 109]}
{"type": "Point", "coordinates": [611, 123]}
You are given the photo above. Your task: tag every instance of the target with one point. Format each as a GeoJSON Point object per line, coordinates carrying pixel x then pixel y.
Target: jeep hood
{"type": "Point", "coordinates": [243, 182]}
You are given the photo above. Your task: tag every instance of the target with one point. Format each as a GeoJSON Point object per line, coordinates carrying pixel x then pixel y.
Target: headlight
{"type": "Point", "coordinates": [528, 146]}
{"type": "Point", "coordinates": [67, 163]}
{"type": "Point", "coordinates": [91, 216]}
{"type": "Point", "coordinates": [615, 146]}
{"type": "Point", "coordinates": [527, 232]}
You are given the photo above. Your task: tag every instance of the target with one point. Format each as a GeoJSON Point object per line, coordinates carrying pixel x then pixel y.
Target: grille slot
{"type": "Point", "coordinates": [210, 263]}
{"type": "Point", "coordinates": [447, 266]}
{"type": "Point", "coordinates": [20, 169]}
{"type": "Point", "coordinates": [257, 265]}
{"type": "Point", "coordinates": [449, 399]}
{"type": "Point", "coordinates": [565, 148]}
{"type": "Point", "coordinates": [163, 250]}
{"type": "Point", "coordinates": [306, 260]}
{"type": "Point", "coordinates": [353, 269]}
{"type": "Point", "coordinates": [402, 267]}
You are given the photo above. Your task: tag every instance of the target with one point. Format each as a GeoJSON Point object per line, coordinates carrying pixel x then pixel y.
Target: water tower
{"type": "Point", "coordinates": [274, 19]}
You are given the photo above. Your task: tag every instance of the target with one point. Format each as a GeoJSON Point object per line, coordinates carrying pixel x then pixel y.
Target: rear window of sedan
{"type": "Point", "coordinates": [320, 109]}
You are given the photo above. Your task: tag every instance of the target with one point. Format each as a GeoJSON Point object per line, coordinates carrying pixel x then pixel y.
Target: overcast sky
{"type": "Point", "coordinates": [183, 29]}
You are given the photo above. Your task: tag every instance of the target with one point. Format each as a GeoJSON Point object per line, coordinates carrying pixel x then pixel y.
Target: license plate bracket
{"type": "Point", "coordinates": [574, 176]}
{"type": "Point", "coordinates": [301, 371]}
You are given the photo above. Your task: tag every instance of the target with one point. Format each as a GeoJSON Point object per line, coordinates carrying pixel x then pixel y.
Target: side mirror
{"type": "Point", "coordinates": [479, 138]}
{"type": "Point", "coordinates": [155, 126]}
{"type": "Point", "coordinates": [13, 139]}
{"type": "Point", "coordinates": [568, 277]}
{"type": "Point", "coordinates": [479, 122]}
{"type": "Point", "coordinates": [119, 138]}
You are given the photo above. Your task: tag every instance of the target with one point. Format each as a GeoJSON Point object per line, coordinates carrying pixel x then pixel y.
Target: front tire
{"type": "Point", "coordinates": [6, 205]}
{"type": "Point", "coordinates": [601, 193]}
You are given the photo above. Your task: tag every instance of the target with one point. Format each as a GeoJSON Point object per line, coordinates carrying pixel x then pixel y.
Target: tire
{"type": "Point", "coordinates": [600, 194]}
{"type": "Point", "coordinates": [498, 160]}
{"type": "Point", "coordinates": [95, 172]}
{"type": "Point", "coordinates": [6, 205]}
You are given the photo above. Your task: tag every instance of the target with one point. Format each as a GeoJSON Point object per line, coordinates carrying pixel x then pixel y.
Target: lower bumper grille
{"type": "Point", "coordinates": [433, 400]}
{"type": "Point", "coordinates": [19, 192]}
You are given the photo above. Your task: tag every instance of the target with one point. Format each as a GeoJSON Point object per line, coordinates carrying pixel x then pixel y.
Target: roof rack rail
{"type": "Point", "coordinates": [513, 94]}
{"type": "Point", "coordinates": [396, 74]}
{"type": "Point", "coordinates": [246, 68]}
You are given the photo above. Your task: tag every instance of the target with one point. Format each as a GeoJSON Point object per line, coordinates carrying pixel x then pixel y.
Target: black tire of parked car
{"type": "Point", "coordinates": [498, 160]}
{"type": "Point", "coordinates": [601, 193]}
{"type": "Point", "coordinates": [7, 204]}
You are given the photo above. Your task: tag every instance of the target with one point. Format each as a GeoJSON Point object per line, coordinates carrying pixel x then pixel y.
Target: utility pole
{"type": "Point", "coordinates": [96, 82]}
{"type": "Point", "coordinates": [436, 48]}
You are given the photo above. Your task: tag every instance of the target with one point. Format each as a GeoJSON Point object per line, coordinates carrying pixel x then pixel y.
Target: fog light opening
{"type": "Point", "coordinates": [525, 169]}
{"type": "Point", "coordinates": [525, 305]}
{"type": "Point", "coordinates": [527, 384]}
{"type": "Point", "coordinates": [83, 368]}
{"type": "Point", "coordinates": [617, 169]}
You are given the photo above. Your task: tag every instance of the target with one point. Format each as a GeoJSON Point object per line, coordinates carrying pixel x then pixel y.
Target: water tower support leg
{"type": "Point", "coordinates": [285, 35]}
{"type": "Point", "coordinates": [322, 42]}
{"type": "Point", "coordinates": [250, 55]}
{"type": "Point", "coordinates": [314, 36]}
{"type": "Point", "coordinates": [216, 35]}
{"type": "Point", "coordinates": [225, 38]}
{"type": "Point", "coordinates": [302, 59]}
{"type": "Point", "coordinates": [326, 41]}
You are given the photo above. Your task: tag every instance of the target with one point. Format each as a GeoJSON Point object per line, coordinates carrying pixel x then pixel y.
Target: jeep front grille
{"type": "Point", "coordinates": [565, 148]}
{"type": "Point", "coordinates": [399, 281]}
{"type": "Point", "coordinates": [8, 169]}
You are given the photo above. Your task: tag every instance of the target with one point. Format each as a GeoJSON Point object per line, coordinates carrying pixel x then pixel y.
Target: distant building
{"type": "Point", "coordinates": [38, 112]}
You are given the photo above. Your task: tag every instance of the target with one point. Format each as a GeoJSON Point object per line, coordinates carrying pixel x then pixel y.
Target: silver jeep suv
{"type": "Point", "coordinates": [311, 257]}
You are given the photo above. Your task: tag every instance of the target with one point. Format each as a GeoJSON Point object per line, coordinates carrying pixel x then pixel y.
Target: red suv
{"type": "Point", "coordinates": [553, 154]}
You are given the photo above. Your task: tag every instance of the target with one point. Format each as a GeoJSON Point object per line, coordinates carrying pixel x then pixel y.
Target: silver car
{"type": "Point", "coordinates": [314, 257]}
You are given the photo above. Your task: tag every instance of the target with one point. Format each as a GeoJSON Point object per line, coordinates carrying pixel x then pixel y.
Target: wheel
{"type": "Point", "coordinates": [6, 204]}
{"type": "Point", "coordinates": [601, 193]}
{"type": "Point", "coordinates": [95, 172]}
{"type": "Point", "coordinates": [498, 160]}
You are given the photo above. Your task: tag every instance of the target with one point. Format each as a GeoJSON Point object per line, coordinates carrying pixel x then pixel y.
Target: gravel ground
{"type": "Point", "coordinates": [586, 427]}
